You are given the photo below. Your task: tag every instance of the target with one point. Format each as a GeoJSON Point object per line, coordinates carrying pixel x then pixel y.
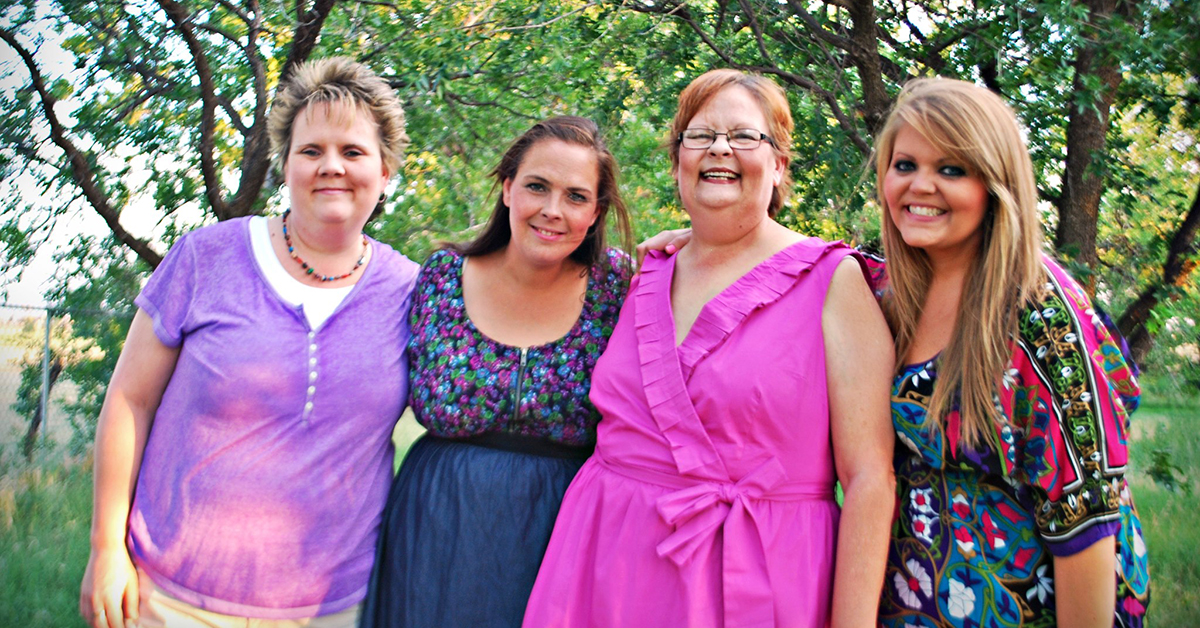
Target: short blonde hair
{"type": "Point", "coordinates": [974, 126]}
{"type": "Point", "coordinates": [771, 100]}
{"type": "Point", "coordinates": [338, 81]}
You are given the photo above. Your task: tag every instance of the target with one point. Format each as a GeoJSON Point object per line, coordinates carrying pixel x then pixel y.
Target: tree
{"type": "Point", "coordinates": [1057, 63]}
{"type": "Point", "coordinates": [180, 90]}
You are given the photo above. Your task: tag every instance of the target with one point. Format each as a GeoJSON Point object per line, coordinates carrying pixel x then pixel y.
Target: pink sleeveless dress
{"type": "Point", "coordinates": [709, 500]}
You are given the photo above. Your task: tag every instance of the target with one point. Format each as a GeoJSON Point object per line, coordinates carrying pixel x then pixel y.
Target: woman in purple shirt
{"type": "Point", "coordinates": [244, 450]}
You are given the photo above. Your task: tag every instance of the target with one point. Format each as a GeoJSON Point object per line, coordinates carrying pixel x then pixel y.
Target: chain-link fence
{"type": "Point", "coordinates": [41, 348]}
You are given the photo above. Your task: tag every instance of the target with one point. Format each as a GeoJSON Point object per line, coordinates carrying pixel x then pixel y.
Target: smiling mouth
{"type": "Point", "coordinates": [547, 233]}
{"type": "Point", "coordinates": [925, 210]}
{"type": "Point", "coordinates": [719, 175]}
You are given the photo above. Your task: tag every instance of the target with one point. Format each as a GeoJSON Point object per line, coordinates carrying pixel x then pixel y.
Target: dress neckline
{"type": "Point", "coordinates": [720, 316]}
{"type": "Point", "coordinates": [460, 295]}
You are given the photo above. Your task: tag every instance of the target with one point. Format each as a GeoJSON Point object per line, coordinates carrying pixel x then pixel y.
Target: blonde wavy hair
{"type": "Point", "coordinates": [972, 125]}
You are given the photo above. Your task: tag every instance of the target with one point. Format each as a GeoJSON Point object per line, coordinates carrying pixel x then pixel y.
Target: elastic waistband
{"type": "Point", "coordinates": [787, 491]}
{"type": "Point", "coordinates": [522, 444]}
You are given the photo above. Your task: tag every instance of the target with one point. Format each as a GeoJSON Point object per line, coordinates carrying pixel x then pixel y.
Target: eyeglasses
{"type": "Point", "coordinates": [740, 139]}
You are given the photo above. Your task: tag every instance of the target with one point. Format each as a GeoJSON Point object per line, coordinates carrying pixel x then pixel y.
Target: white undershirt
{"type": "Point", "coordinates": [317, 303]}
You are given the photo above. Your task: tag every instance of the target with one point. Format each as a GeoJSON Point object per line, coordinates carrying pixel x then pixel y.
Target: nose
{"type": "Point", "coordinates": [553, 207]}
{"type": "Point", "coordinates": [923, 182]}
{"type": "Point", "coordinates": [720, 145]}
{"type": "Point", "coordinates": [331, 165]}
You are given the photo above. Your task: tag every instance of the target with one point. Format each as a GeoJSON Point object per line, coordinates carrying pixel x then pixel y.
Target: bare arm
{"type": "Point", "coordinates": [109, 592]}
{"type": "Point", "coordinates": [858, 364]}
{"type": "Point", "coordinates": [1085, 590]}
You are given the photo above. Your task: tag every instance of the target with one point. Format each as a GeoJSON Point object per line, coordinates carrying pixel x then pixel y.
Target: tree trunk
{"type": "Point", "coordinates": [1176, 270]}
{"type": "Point", "coordinates": [56, 367]}
{"type": "Point", "coordinates": [1087, 125]}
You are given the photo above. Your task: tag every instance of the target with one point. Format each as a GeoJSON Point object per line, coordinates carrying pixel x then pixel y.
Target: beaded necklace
{"type": "Point", "coordinates": [309, 270]}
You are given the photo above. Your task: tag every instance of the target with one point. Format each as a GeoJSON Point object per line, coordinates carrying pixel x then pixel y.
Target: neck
{"type": "Point", "coordinates": [950, 268]}
{"type": "Point", "coordinates": [713, 243]}
{"type": "Point", "coordinates": [324, 239]}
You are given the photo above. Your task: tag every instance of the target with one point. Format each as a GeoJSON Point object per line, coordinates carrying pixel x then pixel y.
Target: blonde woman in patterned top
{"type": "Point", "coordinates": [1010, 399]}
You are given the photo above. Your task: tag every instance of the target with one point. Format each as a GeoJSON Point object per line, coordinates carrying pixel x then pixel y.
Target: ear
{"type": "Point", "coordinates": [780, 168]}
{"type": "Point", "coordinates": [506, 192]}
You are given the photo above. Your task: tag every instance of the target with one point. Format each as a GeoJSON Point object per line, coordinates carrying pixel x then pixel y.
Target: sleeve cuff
{"type": "Point", "coordinates": [1085, 538]}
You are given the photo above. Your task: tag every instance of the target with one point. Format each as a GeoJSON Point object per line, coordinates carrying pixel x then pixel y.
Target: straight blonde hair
{"type": "Point", "coordinates": [975, 126]}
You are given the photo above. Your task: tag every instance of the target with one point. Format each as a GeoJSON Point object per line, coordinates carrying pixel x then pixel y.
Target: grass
{"type": "Point", "coordinates": [45, 511]}
{"type": "Point", "coordinates": [1170, 426]}
{"type": "Point", "coordinates": [45, 514]}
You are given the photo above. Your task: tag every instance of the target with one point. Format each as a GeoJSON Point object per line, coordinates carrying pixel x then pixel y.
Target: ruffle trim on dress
{"type": "Point", "coordinates": [663, 383]}
{"type": "Point", "coordinates": [762, 286]}
{"type": "Point", "coordinates": [663, 364]}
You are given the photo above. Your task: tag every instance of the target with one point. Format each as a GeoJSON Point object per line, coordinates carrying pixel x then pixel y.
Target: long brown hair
{"type": "Point", "coordinates": [572, 130]}
{"type": "Point", "coordinates": [975, 126]}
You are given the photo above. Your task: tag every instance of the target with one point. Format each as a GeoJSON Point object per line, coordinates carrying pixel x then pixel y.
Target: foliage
{"type": "Point", "coordinates": [96, 292]}
{"type": "Point", "coordinates": [162, 104]}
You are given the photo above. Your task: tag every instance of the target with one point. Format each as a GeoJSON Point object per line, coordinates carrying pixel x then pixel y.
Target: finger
{"type": "Point", "coordinates": [132, 598]}
{"type": "Point", "coordinates": [112, 616]}
{"type": "Point", "coordinates": [679, 241]}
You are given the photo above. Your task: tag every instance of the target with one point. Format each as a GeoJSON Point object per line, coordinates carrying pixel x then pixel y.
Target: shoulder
{"type": "Point", "coordinates": [616, 266]}
{"type": "Point", "coordinates": [394, 263]}
{"type": "Point", "coordinates": [440, 265]}
{"type": "Point", "coordinates": [221, 235]}
{"type": "Point", "coordinates": [1059, 301]}
{"type": "Point", "coordinates": [610, 278]}
{"type": "Point", "coordinates": [224, 242]}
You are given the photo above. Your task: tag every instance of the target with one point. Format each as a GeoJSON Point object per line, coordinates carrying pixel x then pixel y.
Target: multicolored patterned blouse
{"type": "Point", "coordinates": [464, 383]}
{"type": "Point", "coordinates": [976, 530]}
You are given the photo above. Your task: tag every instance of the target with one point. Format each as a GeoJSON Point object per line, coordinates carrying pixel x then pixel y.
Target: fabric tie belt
{"type": "Point", "coordinates": [698, 508]}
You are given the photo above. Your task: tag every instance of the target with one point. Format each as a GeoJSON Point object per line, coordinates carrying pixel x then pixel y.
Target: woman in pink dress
{"type": "Point", "coordinates": [747, 374]}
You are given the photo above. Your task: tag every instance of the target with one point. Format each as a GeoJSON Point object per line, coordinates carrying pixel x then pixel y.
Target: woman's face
{"type": "Point", "coordinates": [334, 169]}
{"type": "Point", "coordinates": [552, 201]}
{"type": "Point", "coordinates": [937, 203]}
{"type": "Point", "coordinates": [718, 177]}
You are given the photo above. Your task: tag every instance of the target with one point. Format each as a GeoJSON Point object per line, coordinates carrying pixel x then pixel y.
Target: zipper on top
{"type": "Point", "coordinates": [520, 376]}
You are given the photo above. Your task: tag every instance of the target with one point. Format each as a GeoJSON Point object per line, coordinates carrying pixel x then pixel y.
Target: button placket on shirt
{"type": "Point", "coordinates": [312, 377]}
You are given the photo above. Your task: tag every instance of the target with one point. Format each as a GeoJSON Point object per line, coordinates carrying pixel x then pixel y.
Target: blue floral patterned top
{"type": "Point", "coordinates": [976, 530]}
{"type": "Point", "coordinates": [464, 383]}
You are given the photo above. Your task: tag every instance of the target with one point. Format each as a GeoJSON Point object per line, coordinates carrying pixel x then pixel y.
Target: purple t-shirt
{"type": "Point", "coordinates": [268, 463]}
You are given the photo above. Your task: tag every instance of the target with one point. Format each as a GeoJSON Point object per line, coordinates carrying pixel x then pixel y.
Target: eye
{"type": "Point", "coordinates": [700, 135]}
{"type": "Point", "coordinates": [953, 171]}
{"type": "Point", "coordinates": [904, 165]}
{"type": "Point", "coordinates": [309, 151]}
{"type": "Point", "coordinates": [744, 135]}
{"type": "Point", "coordinates": [354, 152]}
{"type": "Point", "coordinates": [535, 187]}
{"type": "Point", "coordinates": [576, 197]}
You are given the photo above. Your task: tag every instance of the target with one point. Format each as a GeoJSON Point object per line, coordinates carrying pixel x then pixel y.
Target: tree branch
{"type": "Point", "coordinates": [179, 15]}
{"type": "Point", "coordinates": [1176, 270]}
{"type": "Point", "coordinates": [81, 170]}
{"type": "Point", "coordinates": [304, 39]}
